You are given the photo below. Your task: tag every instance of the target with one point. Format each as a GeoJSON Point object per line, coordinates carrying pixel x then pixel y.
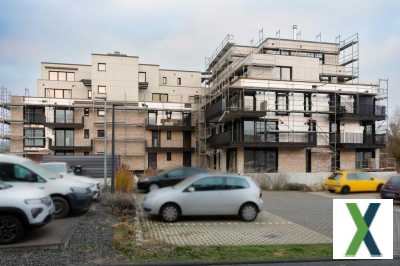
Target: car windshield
{"type": "Point", "coordinates": [57, 168]}
{"type": "Point", "coordinates": [40, 170]}
{"type": "Point", "coordinates": [335, 176]}
{"type": "Point", "coordinates": [395, 180]}
{"type": "Point", "coordinates": [186, 182]}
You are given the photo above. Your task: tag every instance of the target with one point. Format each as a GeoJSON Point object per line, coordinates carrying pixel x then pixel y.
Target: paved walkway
{"type": "Point", "coordinates": [220, 231]}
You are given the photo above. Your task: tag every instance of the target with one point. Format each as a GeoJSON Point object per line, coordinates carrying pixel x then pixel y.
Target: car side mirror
{"type": "Point", "coordinates": [190, 189]}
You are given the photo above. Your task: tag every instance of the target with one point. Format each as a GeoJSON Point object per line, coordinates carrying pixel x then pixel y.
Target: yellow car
{"type": "Point", "coordinates": [345, 182]}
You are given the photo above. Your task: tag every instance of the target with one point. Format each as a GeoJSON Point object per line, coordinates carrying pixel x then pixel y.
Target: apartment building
{"type": "Point", "coordinates": [71, 114]}
{"type": "Point", "coordinates": [292, 106]}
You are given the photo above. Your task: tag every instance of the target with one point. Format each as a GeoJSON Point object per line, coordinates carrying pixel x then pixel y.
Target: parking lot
{"type": "Point", "coordinates": [289, 217]}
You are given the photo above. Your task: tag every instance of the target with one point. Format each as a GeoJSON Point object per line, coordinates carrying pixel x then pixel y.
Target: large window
{"type": "Point", "coordinates": [209, 183]}
{"type": "Point", "coordinates": [61, 75]}
{"type": "Point", "coordinates": [58, 93]}
{"type": "Point", "coordinates": [34, 115]}
{"type": "Point", "coordinates": [34, 137]}
{"type": "Point", "coordinates": [64, 116]}
{"type": "Point", "coordinates": [64, 137]}
{"type": "Point", "coordinates": [260, 131]}
{"type": "Point", "coordinates": [282, 73]}
{"type": "Point", "coordinates": [160, 97]}
{"type": "Point", "coordinates": [260, 160]}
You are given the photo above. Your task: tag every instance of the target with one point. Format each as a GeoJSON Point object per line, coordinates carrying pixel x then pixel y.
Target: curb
{"type": "Point", "coordinates": [322, 259]}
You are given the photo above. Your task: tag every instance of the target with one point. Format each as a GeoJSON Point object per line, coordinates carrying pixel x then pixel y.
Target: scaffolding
{"type": "Point", "coordinates": [4, 119]}
{"type": "Point", "coordinates": [334, 104]}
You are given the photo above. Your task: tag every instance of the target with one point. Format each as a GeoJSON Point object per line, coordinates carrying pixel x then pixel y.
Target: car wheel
{"type": "Point", "coordinates": [248, 212]}
{"type": "Point", "coordinates": [61, 207]}
{"type": "Point", "coordinates": [153, 187]}
{"type": "Point", "coordinates": [379, 188]}
{"type": "Point", "coordinates": [345, 190]}
{"type": "Point", "coordinates": [170, 213]}
{"type": "Point", "coordinates": [11, 229]}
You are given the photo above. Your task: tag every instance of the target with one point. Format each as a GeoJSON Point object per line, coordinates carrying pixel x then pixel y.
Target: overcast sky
{"type": "Point", "coordinates": [181, 33]}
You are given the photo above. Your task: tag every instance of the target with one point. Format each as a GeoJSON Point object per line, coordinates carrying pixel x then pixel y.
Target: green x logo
{"type": "Point", "coordinates": [363, 233]}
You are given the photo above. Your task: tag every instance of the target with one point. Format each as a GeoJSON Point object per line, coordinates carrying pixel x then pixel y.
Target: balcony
{"type": "Point", "coordinates": [143, 85]}
{"type": "Point", "coordinates": [270, 139]}
{"type": "Point", "coordinates": [214, 110]}
{"type": "Point", "coordinates": [35, 120]}
{"type": "Point", "coordinates": [72, 124]}
{"type": "Point", "coordinates": [351, 111]}
{"type": "Point", "coordinates": [358, 140]}
{"type": "Point", "coordinates": [170, 124]}
{"type": "Point", "coordinates": [75, 148]}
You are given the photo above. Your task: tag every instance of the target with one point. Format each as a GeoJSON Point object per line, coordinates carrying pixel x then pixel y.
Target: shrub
{"type": "Point", "coordinates": [120, 203]}
{"type": "Point", "coordinates": [124, 180]}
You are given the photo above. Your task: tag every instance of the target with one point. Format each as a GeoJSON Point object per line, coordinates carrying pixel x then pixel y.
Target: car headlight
{"type": "Point", "coordinates": [46, 201]}
{"type": "Point", "coordinates": [79, 190]}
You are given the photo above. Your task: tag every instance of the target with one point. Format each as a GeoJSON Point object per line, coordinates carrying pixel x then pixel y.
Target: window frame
{"type": "Point", "coordinates": [86, 133]}
{"type": "Point", "coordinates": [179, 81]}
{"type": "Point", "coordinates": [99, 131]}
{"type": "Point", "coordinates": [102, 86]}
{"type": "Point", "coordinates": [34, 138]}
{"type": "Point", "coordinates": [101, 64]}
{"type": "Point", "coordinates": [99, 110]}
{"type": "Point", "coordinates": [145, 76]}
{"type": "Point", "coordinates": [164, 80]}
{"type": "Point", "coordinates": [169, 156]}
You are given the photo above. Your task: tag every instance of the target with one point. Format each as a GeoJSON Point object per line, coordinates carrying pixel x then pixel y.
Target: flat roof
{"type": "Point", "coordinates": [57, 63]}
{"type": "Point", "coordinates": [116, 55]}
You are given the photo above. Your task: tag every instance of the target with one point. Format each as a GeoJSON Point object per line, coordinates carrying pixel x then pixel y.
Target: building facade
{"type": "Point", "coordinates": [292, 106]}
{"type": "Point", "coordinates": [279, 106]}
{"type": "Point", "coordinates": [154, 112]}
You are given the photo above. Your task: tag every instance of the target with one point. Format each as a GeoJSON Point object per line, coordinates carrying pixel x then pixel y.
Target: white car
{"type": "Point", "coordinates": [206, 194]}
{"type": "Point", "coordinates": [68, 195]}
{"type": "Point", "coordinates": [21, 208]}
{"type": "Point", "coordinates": [64, 171]}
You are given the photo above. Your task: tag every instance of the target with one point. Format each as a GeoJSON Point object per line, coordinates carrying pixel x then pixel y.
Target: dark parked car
{"type": "Point", "coordinates": [168, 178]}
{"type": "Point", "coordinates": [391, 190]}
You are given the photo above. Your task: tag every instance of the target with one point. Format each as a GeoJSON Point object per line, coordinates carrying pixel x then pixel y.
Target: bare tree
{"type": "Point", "coordinates": [393, 146]}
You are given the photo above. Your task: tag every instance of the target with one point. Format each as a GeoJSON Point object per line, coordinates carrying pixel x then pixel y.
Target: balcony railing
{"type": "Point", "coordinates": [272, 138]}
{"type": "Point", "coordinates": [72, 147]}
{"type": "Point", "coordinates": [73, 123]}
{"type": "Point", "coordinates": [362, 111]}
{"type": "Point", "coordinates": [143, 85]}
{"type": "Point", "coordinates": [169, 124]}
{"type": "Point", "coordinates": [358, 140]}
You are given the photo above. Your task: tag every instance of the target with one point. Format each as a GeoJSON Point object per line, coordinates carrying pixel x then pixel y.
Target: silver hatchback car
{"type": "Point", "coordinates": [206, 194]}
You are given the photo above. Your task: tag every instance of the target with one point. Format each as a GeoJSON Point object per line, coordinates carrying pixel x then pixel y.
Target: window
{"type": "Point", "coordinates": [86, 111]}
{"type": "Point", "coordinates": [169, 156]}
{"type": "Point", "coordinates": [70, 76]}
{"type": "Point", "coordinates": [58, 93]}
{"type": "Point", "coordinates": [64, 137]}
{"type": "Point", "coordinates": [17, 173]}
{"type": "Point", "coordinates": [142, 77]}
{"type": "Point", "coordinates": [282, 73]}
{"type": "Point", "coordinates": [101, 89]}
{"type": "Point", "coordinates": [34, 115]}
{"type": "Point", "coordinates": [236, 183]}
{"type": "Point", "coordinates": [169, 135]}
{"type": "Point", "coordinates": [260, 160]}
{"type": "Point", "coordinates": [89, 94]}
{"type": "Point", "coordinates": [282, 103]}
{"type": "Point", "coordinates": [363, 158]}
{"type": "Point", "coordinates": [160, 97]}
{"type": "Point", "coordinates": [86, 133]}
{"type": "Point", "coordinates": [307, 104]}
{"type": "Point", "coordinates": [64, 116]}
{"type": "Point", "coordinates": [164, 80]}
{"type": "Point", "coordinates": [34, 137]}
{"type": "Point", "coordinates": [209, 184]}
{"type": "Point", "coordinates": [53, 75]}
{"type": "Point", "coordinates": [101, 67]}
{"type": "Point", "coordinates": [100, 112]}
{"type": "Point", "coordinates": [62, 76]}
{"type": "Point", "coordinates": [179, 81]}
{"type": "Point", "coordinates": [100, 133]}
